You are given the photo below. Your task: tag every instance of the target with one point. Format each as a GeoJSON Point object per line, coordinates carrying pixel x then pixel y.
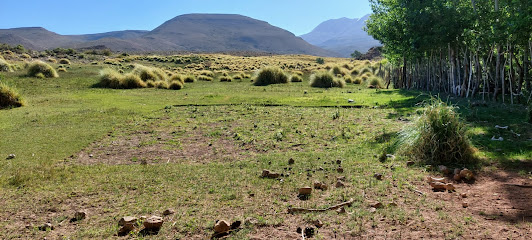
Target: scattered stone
{"type": "Point", "coordinates": [340, 210]}
{"type": "Point", "coordinates": [46, 227]}
{"type": "Point", "coordinates": [318, 223]}
{"type": "Point", "coordinates": [153, 223]}
{"type": "Point", "coordinates": [497, 139]}
{"type": "Point", "coordinates": [467, 174]}
{"type": "Point", "coordinates": [320, 185]}
{"type": "Point", "coordinates": [463, 195]}
{"type": "Point", "coordinates": [221, 226]}
{"type": "Point", "coordinates": [390, 156]}
{"type": "Point", "coordinates": [291, 161]}
{"type": "Point", "coordinates": [444, 169]}
{"type": "Point", "coordinates": [168, 211]}
{"type": "Point", "coordinates": [372, 210]}
{"type": "Point", "coordinates": [268, 174]}
{"type": "Point", "coordinates": [350, 100]}
{"type": "Point", "coordinates": [465, 205]}
{"type": "Point", "coordinates": [340, 170]}
{"type": "Point", "coordinates": [250, 221]}
{"type": "Point", "coordinates": [91, 156]}
{"type": "Point", "coordinates": [377, 176]}
{"type": "Point", "coordinates": [449, 187]}
{"type": "Point", "coordinates": [10, 156]}
{"type": "Point", "coordinates": [376, 205]}
{"type": "Point", "coordinates": [456, 171]}
{"type": "Point", "coordinates": [340, 184]}
{"type": "Point", "coordinates": [305, 191]}
{"type": "Point", "coordinates": [433, 179]}
{"type": "Point", "coordinates": [128, 220]}
{"type": "Point", "coordinates": [437, 185]}
{"type": "Point", "coordinates": [410, 163]}
{"type": "Point", "coordinates": [457, 177]}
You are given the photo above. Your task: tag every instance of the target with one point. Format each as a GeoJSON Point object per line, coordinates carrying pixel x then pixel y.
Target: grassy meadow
{"type": "Point", "coordinates": [200, 151]}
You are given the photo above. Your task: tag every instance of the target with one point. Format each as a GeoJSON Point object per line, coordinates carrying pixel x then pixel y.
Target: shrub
{"type": "Point", "coordinates": [365, 70]}
{"type": "Point", "coordinates": [4, 66]}
{"type": "Point", "coordinates": [376, 82]}
{"type": "Point", "coordinates": [270, 75]}
{"type": "Point", "coordinates": [64, 61]}
{"type": "Point", "coordinates": [41, 69]}
{"type": "Point", "coordinates": [204, 78]}
{"type": "Point", "coordinates": [296, 78]}
{"type": "Point", "coordinates": [131, 80]}
{"type": "Point", "coordinates": [9, 97]}
{"type": "Point", "coordinates": [325, 80]}
{"type": "Point", "coordinates": [437, 137]}
{"type": "Point", "coordinates": [189, 78]}
{"type": "Point", "coordinates": [320, 60]}
{"type": "Point", "coordinates": [175, 85]}
{"type": "Point", "coordinates": [225, 79]}
{"type": "Point", "coordinates": [348, 79]}
{"type": "Point", "coordinates": [25, 56]}
{"type": "Point", "coordinates": [357, 80]}
{"type": "Point", "coordinates": [177, 77]}
{"type": "Point", "coordinates": [355, 71]}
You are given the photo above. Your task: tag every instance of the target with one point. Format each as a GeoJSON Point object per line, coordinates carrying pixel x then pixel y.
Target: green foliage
{"type": "Point", "coordinates": [9, 97]}
{"type": "Point", "coordinates": [270, 75]}
{"type": "Point", "coordinates": [437, 137]}
{"type": "Point", "coordinates": [375, 82]}
{"type": "Point", "coordinates": [356, 54]}
{"type": "Point", "coordinates": [41, 69]}
{"type": "Point", "coordinates": [320, 60]}
{"type": "Point", "coordinates": [325, 80]}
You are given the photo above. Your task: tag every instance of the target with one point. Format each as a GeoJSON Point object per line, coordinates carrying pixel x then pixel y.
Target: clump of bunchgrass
{"type": "Point", "coordinates": [357, 80]}
{"type": "Point", "coordinates": [325, 80]}
{"type": "Point", "coordinates": [130, 81]}
{"type": "Point", "coordinates": [348, 79]}
{"type": "Point", "coordinates": [204, 78]}
{"type": "Point", "coordinates": [149, 73]}
{"type": "Point", "coordinates": [206, 73]}
{"type": "Point", "coordinates": [110, 78]}
{"type": "Point", "coordinates": [41, 69]}
{"type": "Point", "coordinates": [296, 78]}
{"type": "Point", "coordinates": [337, 70]}
{"type": "Point", "coordinates": [64, 61]}
{"type": "Point", "coordinates": [5, 66]}
{"type": "Point", "coordinates": [225, 79]}
{"type": "Point", "coordinates": [270, 75]}
{"type": "Point", "coordinates": [375, 82]}
{"type": "Point", "coordinates": [190, 78]}
{"type": "Point", "coordinates": [437, 137]}
{"type": "Point", "coordinates": [161, 84]}
{"type": "Point", "coordinates": [9, 97]}
{"type": "Point", "coordinates": [61, 69]}
{"type": "Point", "coordinates": [175, 85]}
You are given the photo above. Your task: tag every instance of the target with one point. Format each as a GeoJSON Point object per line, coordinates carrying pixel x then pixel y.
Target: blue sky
{"type": "Point", "coordinates": [94, 16]}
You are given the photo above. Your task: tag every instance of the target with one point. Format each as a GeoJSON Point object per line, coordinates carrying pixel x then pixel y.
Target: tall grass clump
{"type": "Point", "coordinates": [296, 78]}
{"type": "Point", "coordinates": [9, 97]}
{"type": "Point", "coordinates": [4, 66]}
{"type": "Point", "coordinates": [110, 78]}
{"type": "Point", "coordinates": [130, 81]}
{"type": "Point", "coordinates": [270, 75]}
{"type": "Point", "coordinates": [337, 70]}
{"type": "Point", "coordinates": [375, 82]}
{"type": "Point", "coordinates": [40, 69]}
{"type": "Point", "coordinates": [149, 73]}
{"type": "Point", "coordinates": [437, 137]}
{"type": "Point", "coordinates": [325, 80]}
{"type": "Point", "coordinates": [64, 61]}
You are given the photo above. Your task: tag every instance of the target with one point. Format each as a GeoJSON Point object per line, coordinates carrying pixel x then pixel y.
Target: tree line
{"type": "Point", "coordinates": [469, 48]}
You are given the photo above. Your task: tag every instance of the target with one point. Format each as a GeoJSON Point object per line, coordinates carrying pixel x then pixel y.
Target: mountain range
{"type": "Point", "coordinates": [208, 33]}
{"type": "Point", "coordinates": [189, 32]}
{"type": "Point", "coordinates": [342, 36]}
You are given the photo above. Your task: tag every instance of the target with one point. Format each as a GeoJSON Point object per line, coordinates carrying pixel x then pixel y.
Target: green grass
{"type": "Point", "coordinates": [249, 127]}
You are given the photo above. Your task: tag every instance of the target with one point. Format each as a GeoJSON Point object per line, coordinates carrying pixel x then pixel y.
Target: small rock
{"type": "Point", "coordinates": [340, 178]}
{"type": "Point", "coordinates": [91, 156]}
{"type": "Point", "coordinates": [340, 184]}
{"type": "Point", "coordinates": [168, 211]}
{"type": "Point", "coordinates": [377, 176]}
{"type": "Point", "coordinates": [318, 223]}
{"type": "Point", "coordinates": [305, 92]}
{"type": "Point", "coordinates": [340, 170]}
{"type": "Point", "coordinates": [250, 221]}
{"type": "Point", "coordinates": [340, 210]}
{"type": "Point", "coordinates": [463, 195]}
{"type": "Point", "coordinates": [465, 205]}
{"type": "Point", "coordinates": [457, 177]}
{"type": "Point", "coordinates": [268, 174]}
{"type": "Point", "coordinates": [127, 221]}
{"type": "Point", "coordinates": [291, 161]}
{"type": "Point", "coordinates": [456, 171]}
{"type": "Point", "coordinates": [444, 169]}
{"type": "Point", "coordinates": [10, 156]}
{"type": "Point", "coordinates": [449, 187]}
{"type": "Point", "coordinates": [46, 227]}
{"type": "Point", "coordinates": [305, 191]}
{"type": "Point", "coordinates": [390, 156]}
{"type": "Point", "coordinates": [372, 210]}
{"type": "Point", "coordinates": [376, 205]}
{"type": "Point", "coordinates": [153, 223]}
{"type": "Point", "coordinates": [309, 232]}
{"type": "Point", "coordinates": [350, 100]}
{"type": "Point", "coordinates": [221, 226]}
{"type": "Point", "coordinates": [410, 163]}
{"type": "Point", "coordinates": [437, 185]}
{"type": "Point", "coordinates": [467, 174]}
{"type": "Point", "coordinates": [320, 185]}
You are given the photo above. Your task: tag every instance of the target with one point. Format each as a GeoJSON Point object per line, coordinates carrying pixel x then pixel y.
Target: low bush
{"type": "Point", "coordinates": [325, 80]}
{"type": "Point", "coordinates": [9, 97]}
{"type": "Point", "coordinates": [41, 70]}
{"type": "Point", "coordinates": [437, 137]}
{"type": "Point", "coordinates": [270, 75]}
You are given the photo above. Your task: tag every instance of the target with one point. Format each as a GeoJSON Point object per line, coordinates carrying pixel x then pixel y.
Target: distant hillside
{"type": "Point", "coordinates": [190, 32]}
{"type": "Point", "coordinates": [343, 36]}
